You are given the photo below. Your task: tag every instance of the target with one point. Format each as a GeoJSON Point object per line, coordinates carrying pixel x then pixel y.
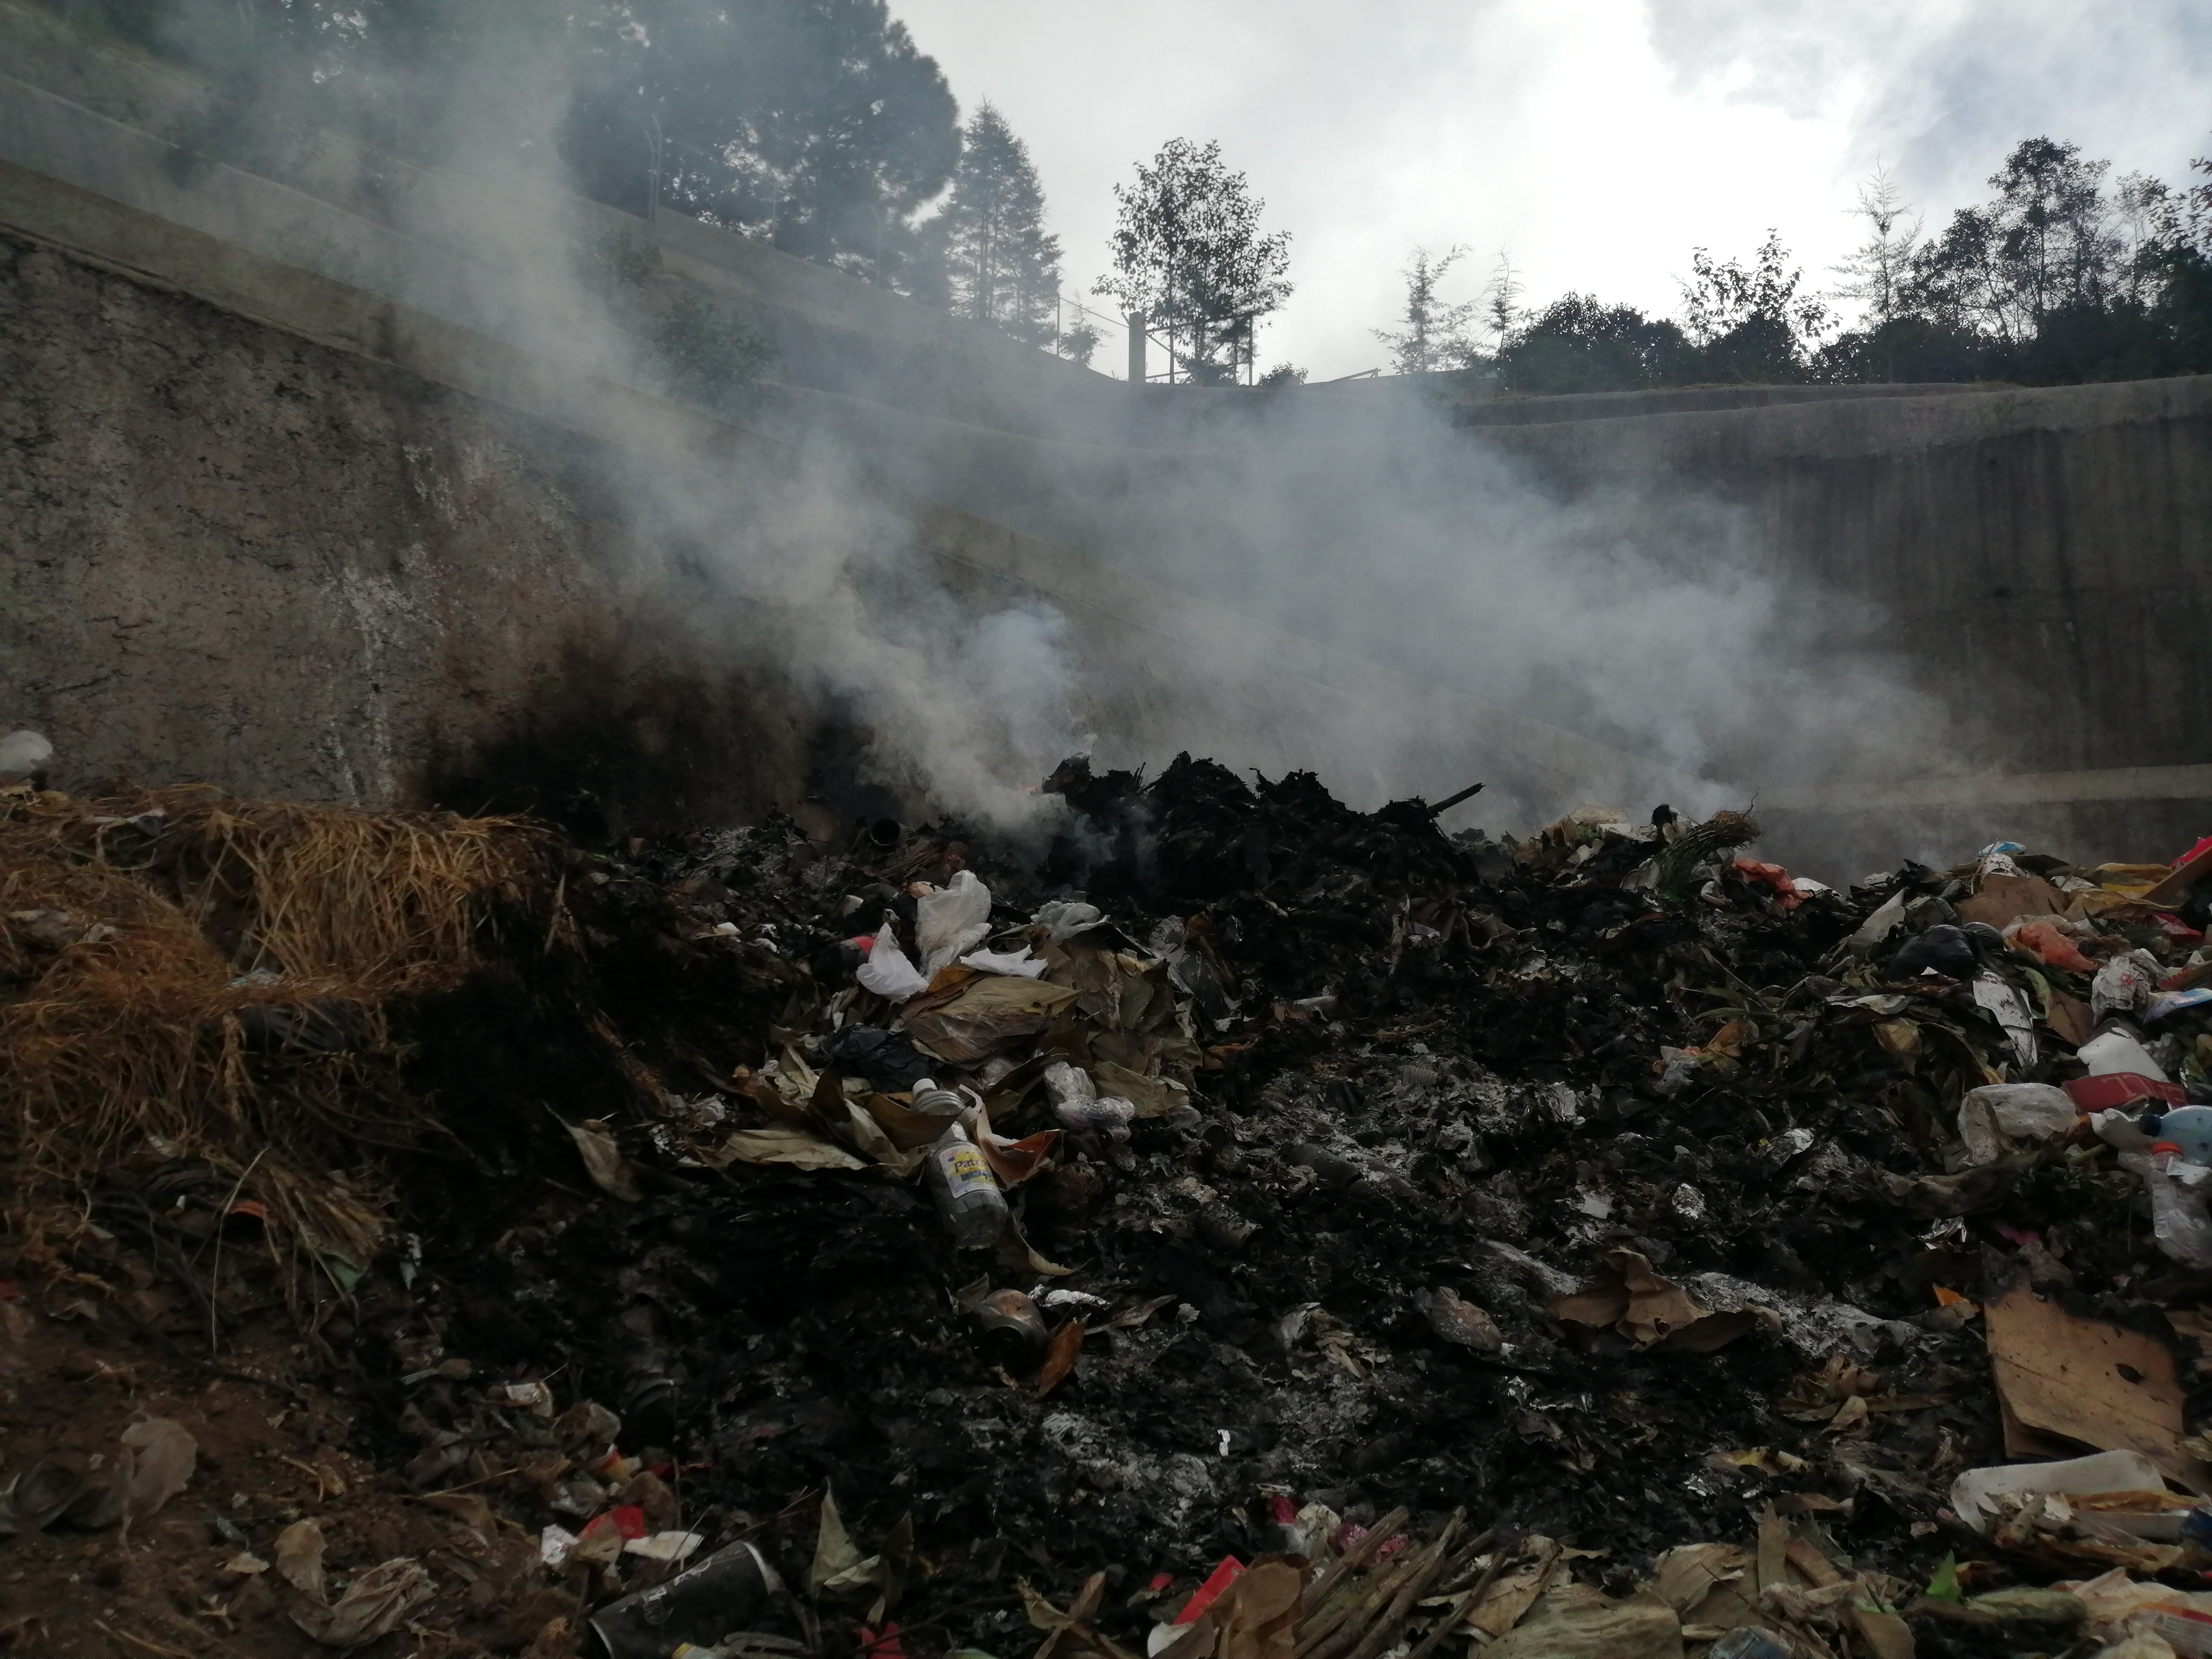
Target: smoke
{"type": "Point", "coordinates": [787, 560]}
{"type": "Point", "coordinates": [1637, 636]}
{"type": "Point", "coordinates": [1344, 584]}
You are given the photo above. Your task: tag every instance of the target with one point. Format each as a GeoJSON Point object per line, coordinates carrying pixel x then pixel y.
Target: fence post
{"type": "Point", "coordinates": [1136, 347]}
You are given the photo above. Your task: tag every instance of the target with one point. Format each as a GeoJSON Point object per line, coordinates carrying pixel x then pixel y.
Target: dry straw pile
{"type": "Point", "coordinates": [205, 976]}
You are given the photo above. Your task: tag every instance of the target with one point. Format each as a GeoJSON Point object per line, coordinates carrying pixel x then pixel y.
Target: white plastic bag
{"type": "Point", "coordinates": [1888, 918]}
{"type": "Point", "coordinates": [1067, 918]}
{"type": "Point", "coordinates": [2179, 1220]}
{"type": "Point", "coordinates": [2115, 1053]}
{"type": "Point", "coordinates": [887, 972]}
{"type": "Point", "coordinates": [951, 920]}
{"type": "Point", "coordinates": [1996, 1119]}
{"type": "Point", "coordinates": [2001, 999]}
{"type": "Point", "coordinates": [23, 753]}
{"type": "Point", "coordinates": [2124, 984]}
{"type": "Point", "coordinates": [1006, 962]}
{"type": "Point", "coordinates": [1078, 1104]}
{"type": "Point", "coordinates": [1974, 1494]}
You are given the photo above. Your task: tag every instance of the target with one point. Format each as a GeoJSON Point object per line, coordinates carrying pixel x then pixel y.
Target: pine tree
{"type": "Point", "coordinates": [1879, 271]}
{"type": "Point", "coordinates": [1001, 267]}
{"type": "Point", "coordinates": [1502, 314]}
{"type": "Point", "coordinates": [1435, 334]}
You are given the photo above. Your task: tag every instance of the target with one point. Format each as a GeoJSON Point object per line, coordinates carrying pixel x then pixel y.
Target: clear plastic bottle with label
{"type": "Point", "coordinates": [933, 1102]}
{"type": "Point", "coordinates": [2178, 1219]}
{"type": "Point", "coordinates": [966, 1192]}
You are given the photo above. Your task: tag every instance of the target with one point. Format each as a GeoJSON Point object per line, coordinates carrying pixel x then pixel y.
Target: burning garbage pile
{"type": "Point", "coordinates": [1241, 1226]}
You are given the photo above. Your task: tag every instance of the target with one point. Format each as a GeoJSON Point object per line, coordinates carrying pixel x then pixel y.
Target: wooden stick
{"type": "Point", "coordinates": [1347, 1612]}
{"type": "Point", "coordinates": [1383, 1630]}
{"type": "Point", "coordinates": [1450, 801]}
{"type": "Point", "coordinates": [1457, 1568]}
{"type": "Point", "coordinates": [1456, 1614]}
{"type": "Point", "coordinates": [1340, 1640]}
{"type": "Point", "coordinates": [1357, 1556]}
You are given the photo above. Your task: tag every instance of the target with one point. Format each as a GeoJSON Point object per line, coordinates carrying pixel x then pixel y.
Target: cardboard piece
{"type": "Point", "coordinates": [2172, 888]}
{"type": "Point", "coordinates": [2086, 1381]}
{"type": "Point", "coordinates": [2004, 900]}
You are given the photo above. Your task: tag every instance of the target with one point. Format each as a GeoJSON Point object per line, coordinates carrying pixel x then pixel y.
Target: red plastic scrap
{"type": "Point", "coordinates": [1227, 1573]}
{"type": "Point", "coordinates": [2100, 1094]}
{"type": "Point", "coordinates": [883, 1643]}
{"type": "Point", "coordinates": [1160, 1582]}
{"type": "Point", "coordinates": [2051, 944]}
{"type": "Point", "coordinates": [1283, 1507]}
{"type": "Point", "coordinates": [1785, 885]}
{"type": "Point", "coordinates": [628, 1519]}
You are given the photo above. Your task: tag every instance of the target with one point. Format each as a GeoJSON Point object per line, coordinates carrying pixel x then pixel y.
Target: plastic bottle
{"type": "Point", "coordinates": [2179, 1220]}
{"type": "Point", "coordinates": [933, 1102]}
{"type": "Point", "coordinates": [1078, 1104]}
{"type": "Point", "coordinates": [1749, 1642]}
{"type": "Point", "coordinates": [966, 1192]}
{"type": "Point", "coordinates": [2188, 1129]}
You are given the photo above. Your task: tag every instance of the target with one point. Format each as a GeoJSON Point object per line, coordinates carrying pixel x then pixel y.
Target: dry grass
{"type": "Point", "coordinates": [196, 907]}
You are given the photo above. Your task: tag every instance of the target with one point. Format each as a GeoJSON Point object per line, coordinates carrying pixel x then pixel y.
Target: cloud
{"type": "Point", "coordinates": [1942, 89]}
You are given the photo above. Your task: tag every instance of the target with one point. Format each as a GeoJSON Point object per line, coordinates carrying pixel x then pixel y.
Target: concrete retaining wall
{"type": "Point", "coordinates": [266, 529]}
{"type": "Point", "coordinates": [294, 502]}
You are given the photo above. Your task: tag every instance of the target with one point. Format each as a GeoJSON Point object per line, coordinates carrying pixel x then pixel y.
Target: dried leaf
{"type": "Point", "coordinates": [163, 1455]}
{"type": "Point", "coordinates": [470, 1510]}
{"type": "Point", "coordinates": [299, 1559]}
{"type": "Point", "coordinates": [1648, 1308]}
{"type": "Point", "coordinates": [1015, 1239]}
{"type": "Point", "coordinates": [1513, 1595]}
{"type": "Point", "coordinates": [1459, 1321]}
{"type": "Point", "coordinates": [1153, 1096]}
{"type": "Point", "coordinates": [372, 1605]}
{"type": "Point", "coordinates": [1574, 1620]}
{"type": "Point", "coordinates": [1059, 1357]}
{"type": "Point", "coordinates": [834, 1551]}
{"type": "Point", "coordinates": [603, 1162]}
{"type": "Point", "coordinates": [795, 1147]}
{"type": "Point", "coordinates": [1850, 1417]}
{"type": "Point", "coordinates": [1015, 1161]}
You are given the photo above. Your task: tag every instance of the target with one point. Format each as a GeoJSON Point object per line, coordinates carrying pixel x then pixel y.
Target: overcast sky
{"type": "Point", "coordinates": [1596, 143]}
